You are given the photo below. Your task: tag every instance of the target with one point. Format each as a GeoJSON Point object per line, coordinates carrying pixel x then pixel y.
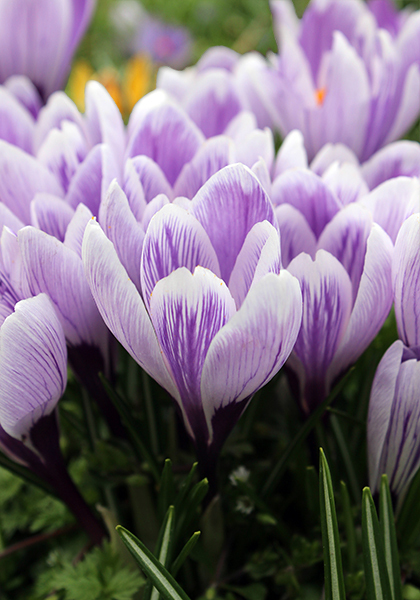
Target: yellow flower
{"type": "Point", "coordinates": [126, 88]}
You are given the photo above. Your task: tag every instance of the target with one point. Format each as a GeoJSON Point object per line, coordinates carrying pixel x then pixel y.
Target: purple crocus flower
{"type": "Point", "coordinates": [394, 409]}
{"type": "Point", "coordinates": [216, 318]}
{"type": "Point", "coordinates": [38, 39]}
{"type": "Point", "coordinates": [33, 377]}
{"type": "Point", "coordinates": [347, 295]}
{"type": "Point", "coordinates": [217, 89]}
{"type": "Point", "coordinates": [406, 281]}
{"type": "Point", "coordinates": [64, 154]}
{"type": "Point", "coordinates": [394, 419]}
{"type": "Point", "coordinates": [398, 159]}
{"type": "Point", "coordinates": [341, 78]}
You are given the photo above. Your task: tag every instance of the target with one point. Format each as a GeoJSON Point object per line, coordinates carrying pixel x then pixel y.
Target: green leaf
{"type": "Point", "coordinates": [166, 488]}
{"type": "Point", "coordinates": [190, 505]}
{"type": "Point", "coordinates": [389, 538]}
{"type": "Point", "coordinates": [185, 552]}
{"type": "Point", "coordinates": [349, 528]}
{"type": "Point", "coordinates": [185, 487]}
{"type": "Point", "coordinates": [333, 570]}
{"type": "Point", "coordinates": [302, 434]}
{"type": "Point", "coordinates": [376, 575]}
{"type": "Point", "coordinates": [163, 550]}
{"type": "Point", "coordinates": [150, 565]}
{"type": "Point", "coordinates": [127, 419]}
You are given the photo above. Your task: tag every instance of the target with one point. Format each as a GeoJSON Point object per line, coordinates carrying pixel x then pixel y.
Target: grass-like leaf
{"type": "Point", "coordinates": [152, 568]}
{"type": "Point", "coordinates": [349, 528]}
{"type": "Point", "coordinates": [163, 550]}
{"type": "Point", "coordinates": [166, 488]}
{"type": "Point", "coordinates": [389, 539]}
{"type": "Point", "coordinates": [185, 552]}
{"type": "Point", "coordinates": [376, 574]}
{"type": "Point", "coordinates": [190, 505]}
{"type": "Point", "coordinates": [333, 570]}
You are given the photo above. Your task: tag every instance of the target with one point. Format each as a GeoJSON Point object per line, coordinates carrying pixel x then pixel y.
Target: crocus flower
{"type": "Point", "coordinates": [217, 89]}
{"type": "Point", "coordinates": [406, 281]}
{"type": "Point", "coordinates": [33, 377]}
{"type": "Point", "coordinates": [394, 419]}
{"type": "Point", "coordinates": [38, 39]}
{"type": "Point", "coordinates": [69, 156]}
{"type": "Point", "coordinates": [216, 318]}
{"type": "Point", "coordinates": [347, 295]}
{"type": "Point", "coordinates": [341, 78]}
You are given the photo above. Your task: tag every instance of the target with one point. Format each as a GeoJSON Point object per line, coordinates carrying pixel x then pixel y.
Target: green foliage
{"type": "Point", "coordinates": [101, 575]}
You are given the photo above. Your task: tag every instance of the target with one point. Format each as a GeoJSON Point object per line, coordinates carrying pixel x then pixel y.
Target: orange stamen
{"type": "Point", "coordinates": [320, 95]}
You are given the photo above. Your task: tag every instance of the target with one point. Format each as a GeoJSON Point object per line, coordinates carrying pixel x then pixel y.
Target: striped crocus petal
{"type": "Point", "coordinates": [345, 237]}
{"type": "Point", "coordinates": [406, 281]}
{"type": "Point", "coordinates": [249, 350]}
{"type": "Point", "coordinates": [235, 193]}
{"type": "Point", "coordinates": [327, 303]}
{"type": "Point", "coordinates": [121, 305]}
{"type": "Point", "coordinates": [372, 305]}
{"type": "Point", "coordinates": [259, 255]}
{"type": "Point", "coordinates": [33, 365]}
{"type": "Point", "coordinates": [306, 192]}
{"type": "Point", "coordinates": [174, 239]}
{"type": "Point", "coordinates": [54, 268]}
{"type": "Point", "coordinates": [394, 419]}
{"type": "Point", "coordinates": [187, 311]}
{"type": "Point", "coordinates": [123, 230]}
{"type": "Point", "coordinates": [399, 158]}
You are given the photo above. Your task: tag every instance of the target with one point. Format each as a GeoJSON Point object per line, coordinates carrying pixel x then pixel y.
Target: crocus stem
{"type": "Point", "coordinates": [49, 461]}
{"type": "Point", "coordinates": [69, 493]}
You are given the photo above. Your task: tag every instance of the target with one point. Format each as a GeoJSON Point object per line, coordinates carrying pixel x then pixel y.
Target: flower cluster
{"type": "Point", "coordinates": [212, 259]}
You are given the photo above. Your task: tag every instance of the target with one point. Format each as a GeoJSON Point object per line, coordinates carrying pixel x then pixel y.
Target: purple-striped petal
{"type": "Point", "coordinates": [103, 120]}
{"type": "Point", "coordinates": [327, 303]}
{"type": "Point", "coordinates": [187, 310]}
{"type": "Point", "coordinates": [76, 229]}
{"type": "Point", "coordinates": [93, 178]}
{"type": "Point", "coordinates": [399, 158]}
{"type": "Point", "coordinates": [392, 202]}
{"type": "Point", "coordinates": [380, 408]}
{"type": "Point", "coordinates": [295, 234]}
{"type": "Point", "coordinates": [51, 214]}
{"type": "Point", "coordinates": [292, 154]}
{"type": "Point", "coordinates": [213, 102]}
{"type": "Point", "coordinates": [345, 237]}
{"type": "Point", "coordinates": [307, 193]}
{"type": "Point", "coordinates": [174, 239]}
{"type": "Point", "coordinates": [9, 219]}
{"type": "Point", "coordinates": [16, 123]}
{"type": "Point", "coordinates": [123, 230]}
{"type": "Point", "coordinates": [33, 365]}
{"type": "Point", "coordinates": [214, 154]}
{"type": "Point", "coordinates": [235, 193]}
{"type": "Point", "coordinates": [21, 177]}
{"type": "Point", "coordinates": [168, 136]}
{"type": "Point", "coordinates": [406, 281]}
{"type": "Point", "coordinates": [24, 90]}
{"type": "Point", "coordinates": [394, 420]}
{"type": "Point", "coordinates": [346, 182]}
{"type": "Point", "coordinates": [153, 207]}
{"type": "Point", "coordinates": [52, 267]}
{"type": "Point", "coordinates": [259, 255]}
{"type": "Point", "coordinates": [250, 349]}
{"type": "Point", "coordinates": [59, 108]}
{"type": "Point", "coordinates": [331, 153]}
{"type": "Point", "coordinates": [121, 305]}
{"type": "Point", "coordinates": [372, 305]}
{"type": "Point", "coordinates": [409, 106]}
{"type": "Point", "coordinates": [62, 151]}
{"type": "Point", "coordinates": [144, 171]}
